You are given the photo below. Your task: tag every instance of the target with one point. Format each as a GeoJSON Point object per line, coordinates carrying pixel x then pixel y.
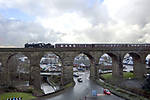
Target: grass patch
{"type": "Point", "coordinates": [25, 96]}
{"type": "Point", "coordinates": [107, 76]}
{"type": "Point", "coordinates": [126, 75]}
{"type": "Point", "coordinates": [68, 85]}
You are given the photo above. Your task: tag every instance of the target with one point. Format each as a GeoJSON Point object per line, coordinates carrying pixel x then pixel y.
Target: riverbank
{"type": "Point", "coordinates": [120, 92]}
{"type": "Point", "coordinates": [65, 88]}
{"type": "Point", "coordinates": [129, 83]}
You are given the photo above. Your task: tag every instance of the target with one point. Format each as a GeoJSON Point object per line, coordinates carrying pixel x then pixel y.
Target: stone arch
{"type": "Point", "coordinates": [52, 53]}
{"type": "Point", "coordinates": [11, 55]}
{"type": "Point", "coordinates": [132, 54]}
{"type": "Point", "coordinates": [93, 71]}
{"type": "Point", "coordinates": [127, 61]}
{"type": "Point", "coordinates": [147, 62]}
{"type": "Point", "coordinates": [18, 70]}
{"type": "Point", "coordinates": [52, 64]}
{"type": "Point", "coordinates": [117, 70]}
{"type": "Point", "coordinates": [91, 58]}
{"type": "Point", "coordinates": [104, 60]}
{"type": "Point", "coordinates": [86, 55]}
{"type": "Point", "coordinates": [138, 67]}
{"type": "Point", "coordinates": [111, 54]}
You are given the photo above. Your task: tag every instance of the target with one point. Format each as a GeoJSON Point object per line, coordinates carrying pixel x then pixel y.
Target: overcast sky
{"type": "Point", "coordinates": [74, 21]}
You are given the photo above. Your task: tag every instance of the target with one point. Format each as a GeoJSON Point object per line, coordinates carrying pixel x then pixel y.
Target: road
{"type": "Point", "coordinates": [80, 90]}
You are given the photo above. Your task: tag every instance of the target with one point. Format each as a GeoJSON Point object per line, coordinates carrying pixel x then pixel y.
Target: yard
{"type": "Point", "coordinates": [126, 75]}
{"type": "Point", "coordinates": [25, 96]}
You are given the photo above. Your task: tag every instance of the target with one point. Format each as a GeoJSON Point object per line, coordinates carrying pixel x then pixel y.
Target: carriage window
{"type": "Point", "coordinates": [61, 45]}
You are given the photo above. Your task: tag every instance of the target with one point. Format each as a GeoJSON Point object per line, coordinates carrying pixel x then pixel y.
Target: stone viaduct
{"type": "Point", "coordinates": [67, 53]}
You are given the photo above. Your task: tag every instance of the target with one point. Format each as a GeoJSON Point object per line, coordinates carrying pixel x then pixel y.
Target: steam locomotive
{"type": "Point", "coordinates": [38, 45]}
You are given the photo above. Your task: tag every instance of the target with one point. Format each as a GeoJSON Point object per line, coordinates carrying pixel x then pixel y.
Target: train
{"type": "Point", "coordinates": [38, 45]}
{"type": "Point", "coordinates": [49, 45]}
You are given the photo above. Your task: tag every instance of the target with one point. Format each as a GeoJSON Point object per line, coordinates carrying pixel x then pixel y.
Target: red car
{"type": "Point", "coordinates": [107, 92]}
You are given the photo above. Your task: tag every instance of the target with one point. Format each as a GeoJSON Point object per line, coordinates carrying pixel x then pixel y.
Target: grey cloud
{"type": "Point", "coordinates": [112, 33]}
{"type": "Point", "coordinates": [16, 33]}
{"type": "Point", "coordinates": [136, 12]}
{"type": "Point", "coordinates": [97, 13]}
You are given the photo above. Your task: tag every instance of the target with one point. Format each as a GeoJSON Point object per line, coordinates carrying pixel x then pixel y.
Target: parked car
{"type": "Point", "coordinates": [75, 75]}
{"type": "Point", "coordinates": [79, 80]}
{"type": "Point", "coordinates": [146, 75]}
{"type": "Point", "coordinates": [81, 69]}
{"type": "Point", "coordinates": [107, 92]}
